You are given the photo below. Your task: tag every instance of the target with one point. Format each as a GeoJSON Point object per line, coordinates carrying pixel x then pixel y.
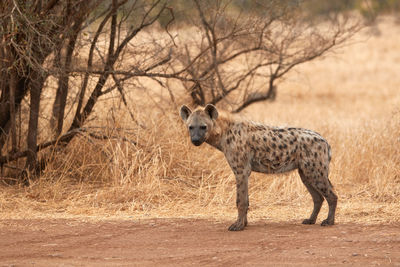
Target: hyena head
{"type": "Point", "coordinates": [200, 122]}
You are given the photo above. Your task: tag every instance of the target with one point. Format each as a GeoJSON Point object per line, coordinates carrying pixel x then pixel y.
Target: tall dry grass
{"type": "Point", "coordinates": [351, 98]}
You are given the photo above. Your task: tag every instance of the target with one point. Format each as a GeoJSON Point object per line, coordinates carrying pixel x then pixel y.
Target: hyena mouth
{"type": "Point", "coordinates": [197, 142]}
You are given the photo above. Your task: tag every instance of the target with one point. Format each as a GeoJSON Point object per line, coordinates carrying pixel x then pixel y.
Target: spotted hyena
{"type": "Point", "coordinates": [250, 146]}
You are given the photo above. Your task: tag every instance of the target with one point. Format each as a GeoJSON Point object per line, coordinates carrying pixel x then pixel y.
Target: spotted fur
{"type": "Point", "coordinates": [250, 146]}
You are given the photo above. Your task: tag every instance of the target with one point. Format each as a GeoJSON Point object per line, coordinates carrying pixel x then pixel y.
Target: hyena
{"type": "Point", "coordinates": [250, 146]}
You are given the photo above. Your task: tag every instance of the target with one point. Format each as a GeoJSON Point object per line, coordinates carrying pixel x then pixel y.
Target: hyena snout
{"type": "Point", "coordinates": [197, 134]}
{"type": "Point", "coordinates": [197, 142]}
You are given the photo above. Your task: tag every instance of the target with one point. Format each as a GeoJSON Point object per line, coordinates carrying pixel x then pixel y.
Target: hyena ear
{"type": "Point", "coordinates": [185, 112]}
{"type": "Point", "coordinates": [212, 111]}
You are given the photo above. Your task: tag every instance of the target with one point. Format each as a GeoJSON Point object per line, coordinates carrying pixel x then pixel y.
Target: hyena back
{"type": "Point", "coordinates": [249, 146]}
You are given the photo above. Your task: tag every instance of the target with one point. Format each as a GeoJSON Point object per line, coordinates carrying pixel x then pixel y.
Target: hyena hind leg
{"type": "Point", "coordinates": [331, 197]}
{"type": "Point", "coordinates": [317, 197]}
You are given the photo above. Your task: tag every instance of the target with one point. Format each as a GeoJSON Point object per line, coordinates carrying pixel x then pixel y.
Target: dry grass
{"type": "Point", "coordinates": [352, 98]}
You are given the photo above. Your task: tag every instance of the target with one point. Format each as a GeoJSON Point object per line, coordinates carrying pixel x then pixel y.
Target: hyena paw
{"type": "Point", "coordinates": [308, 221]}
{"type": "Point", "coordinates": [237, 226]}
{"type": "Point", "coordinates": [327, 222]}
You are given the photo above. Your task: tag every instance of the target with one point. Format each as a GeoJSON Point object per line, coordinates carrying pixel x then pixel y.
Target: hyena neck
{"type": "Point", "coordinates": [221, 126]}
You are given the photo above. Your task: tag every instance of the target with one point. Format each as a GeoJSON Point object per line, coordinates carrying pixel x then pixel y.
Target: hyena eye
{"type": "Point", "coordinates": [190, 127]}
{"type": "Point", "coordinates": [203, 127]}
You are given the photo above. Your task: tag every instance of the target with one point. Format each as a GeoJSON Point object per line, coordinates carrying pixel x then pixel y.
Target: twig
{"type": "Point", "coordinates": [62, 139]}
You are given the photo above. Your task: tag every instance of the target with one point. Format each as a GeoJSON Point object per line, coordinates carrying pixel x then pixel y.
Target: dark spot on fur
{"type": "Point", "coordinates": [315, 155]}
{"type": "Point", "coordinates": [260, 127]}
{"type": "Point", "coordinates": [265, 139]}
{"type": "Point", "coordinates": [274, 139]}
{"type": "Point", "coordinates": [280, 136]}
{"type": "Point", "coordinates": [273, 145]}
{"type": "Point", "coordinates": [291, 142]}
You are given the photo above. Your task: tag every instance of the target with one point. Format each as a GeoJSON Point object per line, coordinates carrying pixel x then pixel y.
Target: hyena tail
{"type": "Point", "coordinates": [329, 153]}
{"type": "Point", "coordinates": [330, 183]}
{"type": "Point", "coordinates": [329, 158]}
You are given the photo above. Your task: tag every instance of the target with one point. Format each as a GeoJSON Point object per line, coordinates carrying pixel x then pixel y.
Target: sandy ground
{"type": "Point", "coordinates": [67, 242]}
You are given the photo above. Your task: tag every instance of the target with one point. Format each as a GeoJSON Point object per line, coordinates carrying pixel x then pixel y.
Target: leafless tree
{"type": "Point", "coordinates": [238, 48]}
{"type": "Point", "coordinates": [32, 32]}
{"type": "Point", "coordinates": [230, 51]}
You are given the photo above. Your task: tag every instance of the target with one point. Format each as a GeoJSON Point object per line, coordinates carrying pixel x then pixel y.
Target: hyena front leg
{"type": "Point", "coordinates": [242, 197]}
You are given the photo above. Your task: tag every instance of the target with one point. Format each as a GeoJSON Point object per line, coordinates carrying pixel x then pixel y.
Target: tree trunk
{"type": "Point", "coordinates": [5, 113]}
{"type": "Point", "coordinates": [35, 92]}
{"type": "Point", "coordinates": [62, 91]}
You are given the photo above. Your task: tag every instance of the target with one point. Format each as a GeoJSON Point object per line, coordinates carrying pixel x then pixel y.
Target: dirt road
{"type": "Point", "coordinates": [193, 242]}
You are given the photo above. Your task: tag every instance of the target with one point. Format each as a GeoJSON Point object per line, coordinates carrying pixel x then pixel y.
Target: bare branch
{"type": "Point", "coordinates": [61, 139]}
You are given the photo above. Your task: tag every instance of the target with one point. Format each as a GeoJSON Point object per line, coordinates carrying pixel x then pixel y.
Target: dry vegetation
{"type": "Point", "coordinates": [350, 97]}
